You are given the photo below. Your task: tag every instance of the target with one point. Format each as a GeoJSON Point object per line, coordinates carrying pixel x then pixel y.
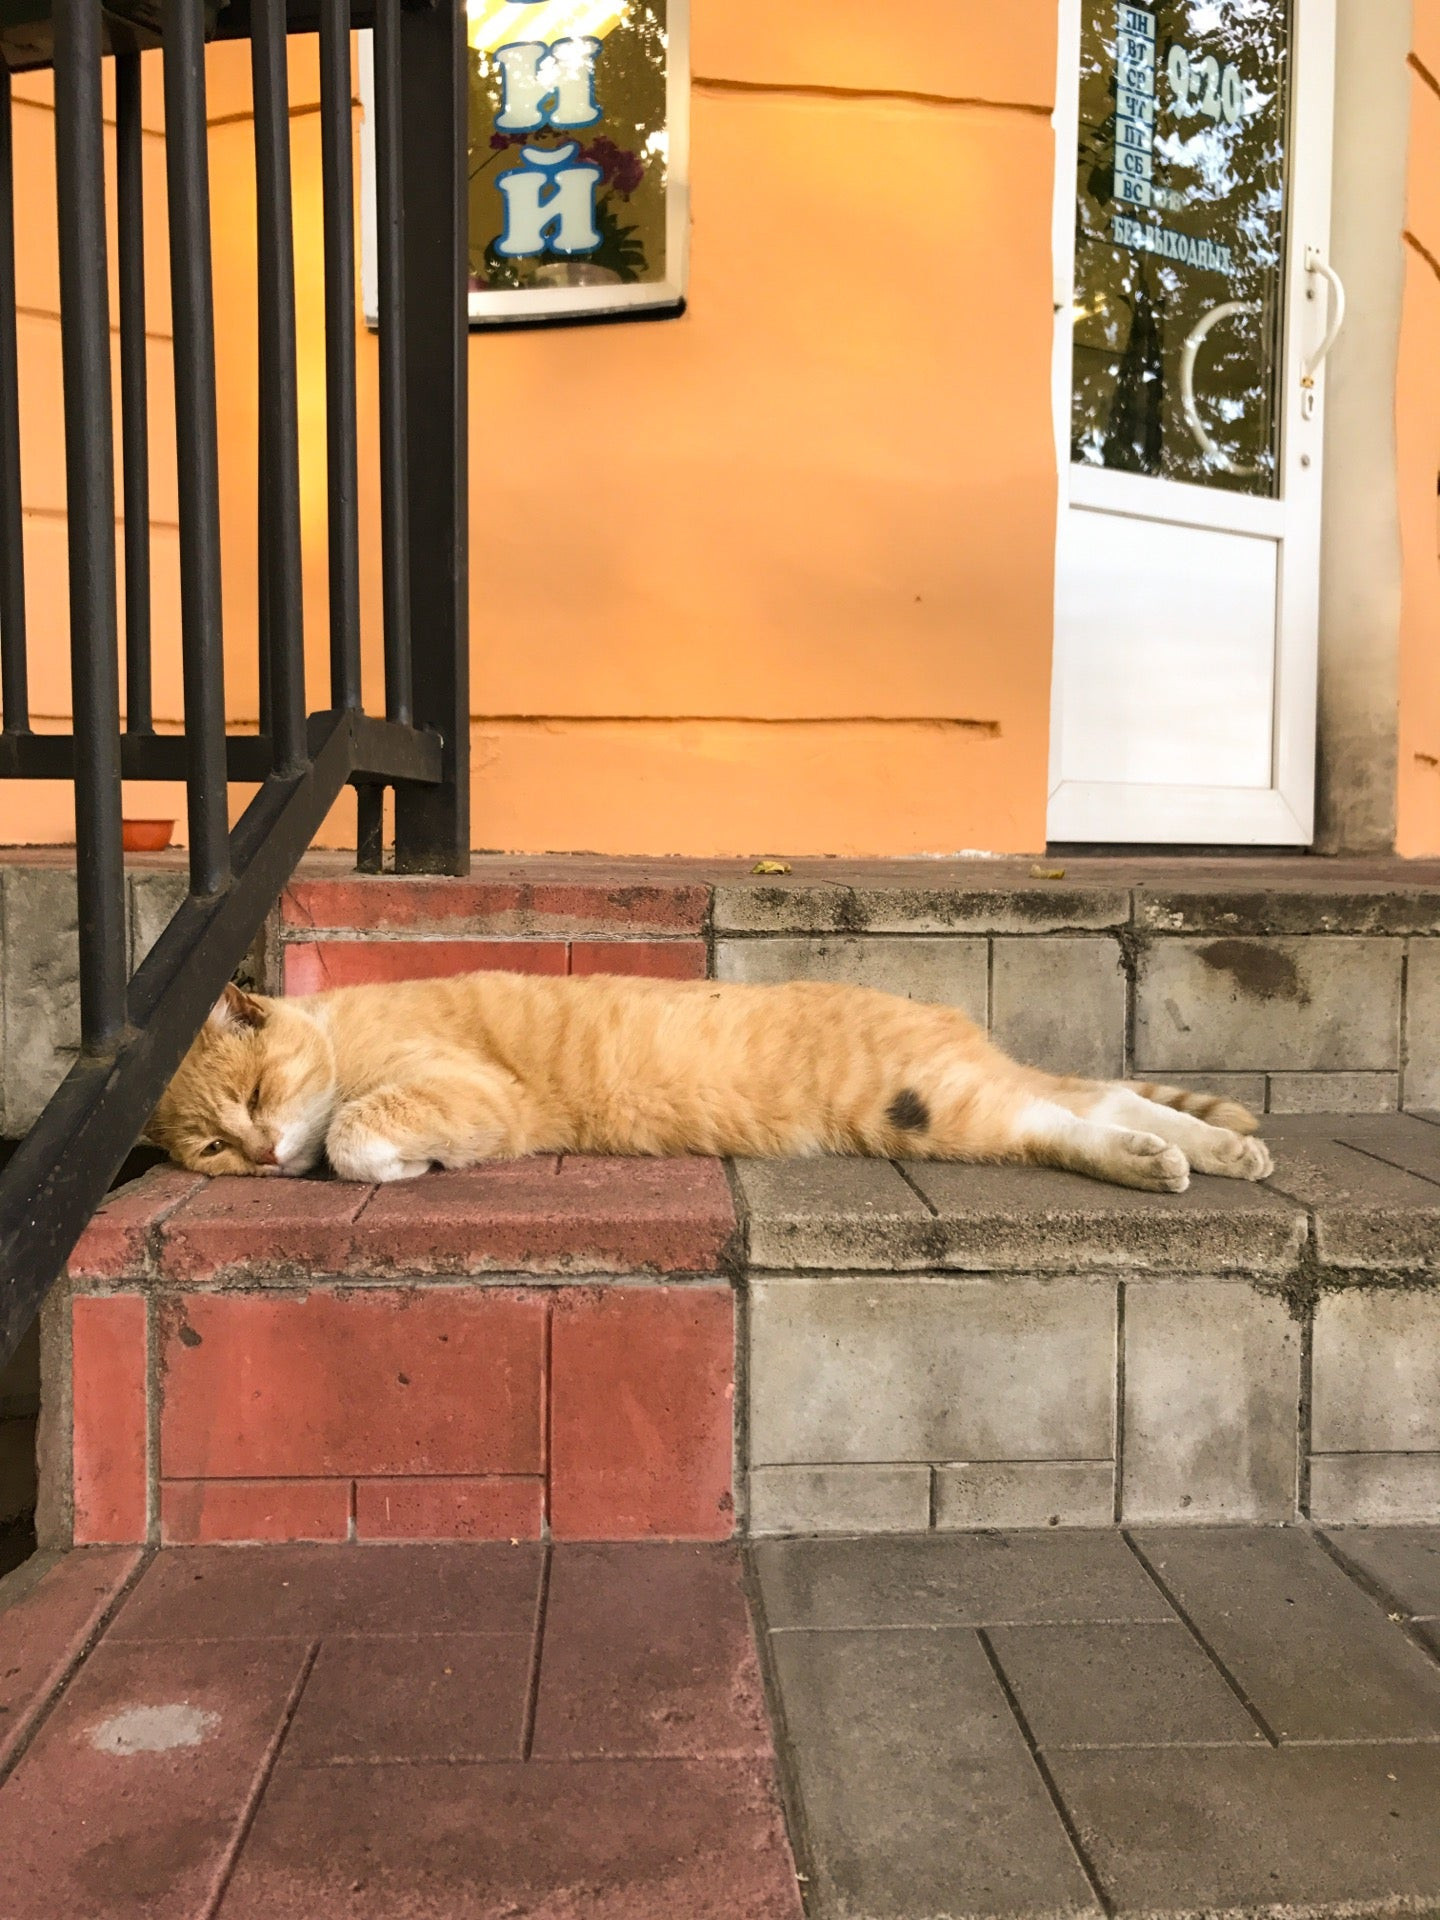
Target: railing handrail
{"type": "Point", "coordinates": [136, 1030]}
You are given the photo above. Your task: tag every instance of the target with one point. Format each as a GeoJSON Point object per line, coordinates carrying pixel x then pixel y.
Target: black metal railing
{"type": "Point", "coordinates": [134, 1030]}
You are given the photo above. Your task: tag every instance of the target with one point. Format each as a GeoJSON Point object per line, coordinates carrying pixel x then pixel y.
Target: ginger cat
{"type": "Point", "coordinates": [387, 1081]}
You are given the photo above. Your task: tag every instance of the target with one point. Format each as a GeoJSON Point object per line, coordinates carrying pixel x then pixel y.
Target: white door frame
{"type": "Point", "coordinates": [1283, 815]}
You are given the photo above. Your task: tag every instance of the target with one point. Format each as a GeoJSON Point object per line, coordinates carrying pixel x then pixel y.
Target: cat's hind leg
{"type": "Point", "coordinates": [446, 1119]}
{"type": "Point", "coordinates": [1050, 1134]}
{"type": "Point", "coordinates": [1209, 1149]}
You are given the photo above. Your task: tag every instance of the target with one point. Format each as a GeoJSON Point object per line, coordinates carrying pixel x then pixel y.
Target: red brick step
{"type": "Point", "coordinates": [539, 1347]}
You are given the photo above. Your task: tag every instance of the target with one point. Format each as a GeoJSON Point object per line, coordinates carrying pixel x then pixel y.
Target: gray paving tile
{"type": "Point", "coordinates": [829, 1214]}
{"type": "Point", "coordinates": [1377, 1371]}
{"type": "Point", "coordinates": [840, 1499]}
{"type": "Point", "coordinates": [954, 1580]}
{"type": "Point", "coordinates": [894, 1368]}
{"type": "Point", "coordinates": [1334, 1092]}
{"type": "Point", "coordinates": [1369, 1213]}
{"type": "Point", "coordinates": [1314, 1655]}
{"type": "Point", "coordinates": [1060, 1003]}
{"type": "Point", "coordinates": [1403, 1561]}
{"type": "Point", "coordinates": [1120, 1686]}
{"type": "Point", "coordinates": [1313, 1004]}
{"type": "Point", "coordinates": [943, 971]}
{"type": "Point", "coordinates": [1374, 1489]}
{"type": "Point", "coordinates": [1025, 1493]}
{"type": "Point", "coordinates": [921, 1797]}
{"type": "Point", "coordinates": [1235, 1830]}
{"type": "Point", "coordinates": [1400, 1138]}
{"type": "Point", "coordinates": [1037, 1220]}
{"type": "Point", "coordinates": [1212, 1384]}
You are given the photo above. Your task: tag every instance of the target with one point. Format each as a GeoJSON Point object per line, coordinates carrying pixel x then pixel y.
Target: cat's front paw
{"type": "Point", "coordinates": [357, 1153]}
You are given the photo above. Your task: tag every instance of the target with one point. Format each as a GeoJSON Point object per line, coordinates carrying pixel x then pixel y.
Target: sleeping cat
{"type": "Point", "coordinates": [387, 1081]}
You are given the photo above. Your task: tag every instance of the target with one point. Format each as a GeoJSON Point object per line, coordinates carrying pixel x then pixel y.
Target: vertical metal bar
{"type": "Point", "coordinates": [187, 170]}
{"type": "Point", "coordinates": [369, 827]}
{"type": "Point", "coordinates": [134, 401]}
{"type": "Point", "coordinates": [90, 511]}
{"type": "Point", "coordinates": [14, 679]}
{"type": "Point", "coordinates": [337, 181]}
{"type": "Point", "coordinates": [394, 479]}
{"type": "Point", "coordinates": [282, 641]}
{"type": "Point", "coordinates": [432, 824]}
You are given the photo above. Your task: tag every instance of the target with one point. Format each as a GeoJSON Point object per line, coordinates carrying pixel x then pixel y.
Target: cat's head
{"type": "Point", "coordinates": [255, 1093]}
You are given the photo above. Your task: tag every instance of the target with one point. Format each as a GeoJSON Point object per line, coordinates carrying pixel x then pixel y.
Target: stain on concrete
{"type": "Point", "coordinates": [154, 1729]}
{"type": "Point", "coordinates": [1262, 971]}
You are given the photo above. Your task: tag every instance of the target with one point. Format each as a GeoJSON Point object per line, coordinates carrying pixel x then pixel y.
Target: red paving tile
{"type": "Point", "coordinates": [118, 1242]}
{"type": "Point", "coordinates": [311, 966]}
{"type": "Point", "coordinates": [273, 1226]}
{"type": "Point", "coordinates": [285, 1592]}
{"type": "Point", "coordinates": [456, 1696]}
{"type": "Point", "coordinates": [595, 1215]}
{"type": "Point", "coordinates": [650, 959]}
{"type": "Point", "coordinates": [577, 1840]}
{"type": "Point", "coordinates": [642, 1413]}
{"type": "Point", "coordinates": [385, 905]}
{"type": "Point", "coordinates": [449, 1509]}
{"type": "Point", "coordinates": [374, 1381]}
{"type": "Point", "coordinates": [384, 1766]}
{"type": "Point", "coordinates": [202, 1512]}
{"type": "Point", "coordinates": [108, 1369]}
{"type": "Point", "coordinates": [44, 1633]}
{"type": "Point", "coordinates": [98, 1824]}
{"type": "Point", "coordinates": [648, 1652]}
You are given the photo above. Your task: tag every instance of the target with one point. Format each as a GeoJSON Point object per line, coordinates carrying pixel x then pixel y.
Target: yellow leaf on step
{"type": "Point", "coordinates": [770, 866]}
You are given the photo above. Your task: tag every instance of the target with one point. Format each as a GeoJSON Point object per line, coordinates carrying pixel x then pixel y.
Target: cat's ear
{"type": "Point", "coordinates": [235, 1008]}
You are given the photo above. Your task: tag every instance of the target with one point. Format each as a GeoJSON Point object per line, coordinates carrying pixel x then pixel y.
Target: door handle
{"type": "Point", "coordinates": [1190, 353]}
{"type": "Point", "coordinates": [1315, 262]}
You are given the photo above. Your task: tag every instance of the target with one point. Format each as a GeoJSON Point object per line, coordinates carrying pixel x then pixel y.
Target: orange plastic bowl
{"type": "Point", "coordinates": [145, 836]}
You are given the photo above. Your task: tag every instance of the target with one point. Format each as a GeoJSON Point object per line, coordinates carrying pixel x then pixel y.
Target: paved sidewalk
{"type": "Point", "coordinates": [1199, 1721]}
{"type": "Point", "coordinates": [388, 1733]}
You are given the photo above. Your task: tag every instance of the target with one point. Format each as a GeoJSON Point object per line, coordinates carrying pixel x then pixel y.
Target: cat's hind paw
{"type": "Point", "coordinates": [1146, 1161]}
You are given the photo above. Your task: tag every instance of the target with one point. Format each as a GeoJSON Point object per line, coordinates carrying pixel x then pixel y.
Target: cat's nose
{"type": "Point", "coordinates": [267, 1158]}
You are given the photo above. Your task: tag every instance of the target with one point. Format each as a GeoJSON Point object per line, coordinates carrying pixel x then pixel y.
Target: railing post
{"type": "Point", "coordinates": [197, 457]}
{"type": "Point", "coordinates": [90, 500]}
{"type": "Point", "coordinates": [14, 683]}
{"type": "Point", "coordinates": [432, 824]}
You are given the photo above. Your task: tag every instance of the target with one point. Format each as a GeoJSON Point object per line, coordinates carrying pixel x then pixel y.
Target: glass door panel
{"type": "Point", "coordinates": [1179, 293]}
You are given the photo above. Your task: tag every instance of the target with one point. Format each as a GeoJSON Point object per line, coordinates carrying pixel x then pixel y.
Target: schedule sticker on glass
{"type": "Point", "coordinates": [1134, 104]}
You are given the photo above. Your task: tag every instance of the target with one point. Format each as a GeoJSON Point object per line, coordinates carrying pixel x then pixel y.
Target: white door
{"type": "Point", "coordinates": [1194, 307]}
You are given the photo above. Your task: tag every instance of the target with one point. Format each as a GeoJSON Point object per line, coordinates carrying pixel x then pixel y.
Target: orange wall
{"type": "Point", "coordinates": [797, 593]}
{"type": "Point", "coordinates": [1418, 404]}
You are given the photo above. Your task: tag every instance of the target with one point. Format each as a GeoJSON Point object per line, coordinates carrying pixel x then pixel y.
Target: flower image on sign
{"type": "Point", "coordinates": [577, 119]}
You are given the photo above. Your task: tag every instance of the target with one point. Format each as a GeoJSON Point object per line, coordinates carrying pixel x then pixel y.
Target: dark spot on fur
{"type": "Point", "coordinates": [1260, 970]}
{"type": "Point", "coordinates": [908, 1113]}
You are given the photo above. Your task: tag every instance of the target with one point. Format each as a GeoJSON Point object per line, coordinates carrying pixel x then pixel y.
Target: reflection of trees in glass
{"type": "Point", "coordinates": [1135, 430]}
{"type": "Point", "coordinates": [1134, 308]}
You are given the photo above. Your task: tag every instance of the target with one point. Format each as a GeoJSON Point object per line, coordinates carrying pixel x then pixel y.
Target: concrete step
{"type": "Point", "coordinates": [951, 1347]}
{"type": "Point", "coordinates": [1297, 985]}
{"type": "Point", "coordinates": [550, 1347]}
